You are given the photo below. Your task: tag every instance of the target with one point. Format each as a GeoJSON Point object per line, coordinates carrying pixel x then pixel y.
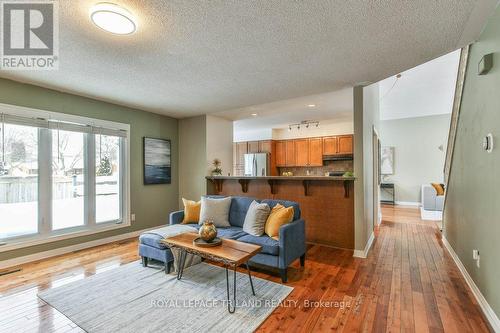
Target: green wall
{"type": "Point", "coordinates": [192, 163]}
{"type": "Point", "coordinates": [151, 204]}
{"type": "Point", "coordinates": [472, 210]}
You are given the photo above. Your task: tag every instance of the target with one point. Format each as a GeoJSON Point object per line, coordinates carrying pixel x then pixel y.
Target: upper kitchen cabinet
{"type": "Point", "coordinates": [290, 153]}
{"type": "Point", "coordinates": [253, 147]}
{"type": "Point", "coordinates": [330, 145]}
{"type": "Point", "coordinates": [265, 146]}
{"type": "Point", "coordinates": [345, 144]}
{"type": "Point", "coordinates": [239, 151]}
{"type": "Point", "coordinates": [302, 152]}
{"type": "Point", "coordinates": [334, 145]}
{"type": "Point", "coordinates": [315, 152]}
{"type": "Point", "coordinates": [280, 153]}
{"type": "Point", "coordinates": [309, 152]}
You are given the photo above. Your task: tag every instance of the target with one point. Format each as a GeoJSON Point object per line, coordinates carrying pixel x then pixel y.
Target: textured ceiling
{"type": "Point", "coordinates": [425, 90]}
{"type": "Point", "coordinates": [336, 105]}
{"type": "Point", "coordinates": [193, 57]}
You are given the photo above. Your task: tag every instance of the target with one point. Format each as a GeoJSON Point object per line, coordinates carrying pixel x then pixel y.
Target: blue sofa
{"type": "Point", "coordinates": [275, 253]}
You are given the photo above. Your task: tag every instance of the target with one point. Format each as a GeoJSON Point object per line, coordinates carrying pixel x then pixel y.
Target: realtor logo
{"type": "Point", "coordinates": [29, 36]}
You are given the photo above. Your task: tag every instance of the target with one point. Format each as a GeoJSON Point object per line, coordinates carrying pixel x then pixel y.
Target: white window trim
{"type": "Point", "coordinates": [27, 241]}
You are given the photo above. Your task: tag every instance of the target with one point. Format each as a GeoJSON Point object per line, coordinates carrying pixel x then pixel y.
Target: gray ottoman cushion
{"type": "Point", "coordinates": [152, 240]}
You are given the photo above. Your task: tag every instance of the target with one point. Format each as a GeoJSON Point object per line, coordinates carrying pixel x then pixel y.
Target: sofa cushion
{"type": "Point", "coordinates": [216, 210]}
{"type": "Point", "coordinates": [191, 211]}
{"type": "Point", "coordinates": [256, 218]}
{"type": "Point", "coordinates": [231, 232]}
{"type": "Point", "coordinates": [279, 216]}
{"type": "Point", "coordinates": [269, 245]}
{"type": "Point", "coordinates": [152, 240]}
{"type": "Point", "coordinates": [296, 208]}
{"type": "Point", "coordinates": [238, 210]}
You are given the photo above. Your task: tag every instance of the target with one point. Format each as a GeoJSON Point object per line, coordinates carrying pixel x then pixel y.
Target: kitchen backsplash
{"type": "Point", "coordinates": [319, 171]}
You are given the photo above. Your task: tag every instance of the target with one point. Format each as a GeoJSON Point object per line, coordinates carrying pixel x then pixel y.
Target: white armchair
{"type": "Point", "coordinates": [430, 199]}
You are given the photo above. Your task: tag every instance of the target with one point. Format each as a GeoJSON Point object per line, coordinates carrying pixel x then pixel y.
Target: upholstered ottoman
{"type": "Point", "coordinates": [151, 248]}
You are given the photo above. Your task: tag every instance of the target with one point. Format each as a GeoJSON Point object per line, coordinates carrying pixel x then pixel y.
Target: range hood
{"type": "Point", "coordinates": [338, 157]}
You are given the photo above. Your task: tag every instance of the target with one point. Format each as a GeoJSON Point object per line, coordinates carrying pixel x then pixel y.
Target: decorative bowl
{"type": "Point", "coordinates": [208, 231]}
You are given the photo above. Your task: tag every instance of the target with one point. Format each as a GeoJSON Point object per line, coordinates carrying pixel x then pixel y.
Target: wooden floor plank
{"type": "Point", "coordinates": [408, 283]}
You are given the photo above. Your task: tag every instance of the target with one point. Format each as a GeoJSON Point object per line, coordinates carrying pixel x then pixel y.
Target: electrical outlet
{"type": "Point", "coordinates": [478, 261]}
{"type": "Point", "coordinates": [475, 254]}
{"type": "Point", "coordinates": [132, 217]}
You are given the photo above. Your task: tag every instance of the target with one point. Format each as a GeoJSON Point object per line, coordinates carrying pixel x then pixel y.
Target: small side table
{"type": "Point", "coordinates": [389, 187]}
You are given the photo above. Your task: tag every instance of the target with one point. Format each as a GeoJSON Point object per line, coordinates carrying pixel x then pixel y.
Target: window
{"type": "Point", "coordinates": [18, 181]}
{"type": "Point", "coordinates": [108, 184]}
{"type": "Point", "coordinates": [60, 176]}
{"type": "Point", "coordinates": [68, 181]}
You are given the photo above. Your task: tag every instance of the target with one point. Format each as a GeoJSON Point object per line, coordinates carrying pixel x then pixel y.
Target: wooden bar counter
{"type": "Point", "coordinates": [326, 203]}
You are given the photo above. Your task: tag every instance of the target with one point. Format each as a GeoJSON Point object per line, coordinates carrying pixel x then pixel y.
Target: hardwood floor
{"type": "Point", "coordinates": [409, 282]}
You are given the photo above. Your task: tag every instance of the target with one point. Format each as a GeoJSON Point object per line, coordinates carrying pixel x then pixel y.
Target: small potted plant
{"type": "Point", "coordinates": [217, 170]}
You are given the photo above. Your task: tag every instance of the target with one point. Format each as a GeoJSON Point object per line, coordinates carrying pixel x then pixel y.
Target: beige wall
{"type": "Point", "coordinates": [152, 203]}
{"type": "Point", "coordinates": [219, 143]}
{"type": "Point", "coordinates": [417, 157]}
{"type": "Point", "coordinates": [366, 118]}
{"type": "Point", "coordinates": [371, 113]}
{"type": "Point", "coordinates": [360, 237]}
{"type": "Point", "coordinates": [201, 140]}
{"type": "Point", "coordinates": [472, 212]}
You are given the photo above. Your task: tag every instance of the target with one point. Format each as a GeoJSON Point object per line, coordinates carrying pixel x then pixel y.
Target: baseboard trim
{"type": "Point", "coordinates": [364, 253]}
{"type": "Point", "coordinates": [63, 250]}
{"type": "Point", "coordinates": [483, 303]}
{"type": "Point", "coordinates": [408, 203]}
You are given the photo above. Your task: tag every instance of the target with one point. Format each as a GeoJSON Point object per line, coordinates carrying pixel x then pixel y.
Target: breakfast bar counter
{"type": "Point", "coordinates": [326, 203]}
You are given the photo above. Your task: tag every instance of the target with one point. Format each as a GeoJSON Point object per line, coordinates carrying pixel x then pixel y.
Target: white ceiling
{"type": "Point", "coordinates": [193, 57]}
{"type": "Point", "coordinates": [425, 90]}
{"type": "Point", "coordinates": [336, 105]}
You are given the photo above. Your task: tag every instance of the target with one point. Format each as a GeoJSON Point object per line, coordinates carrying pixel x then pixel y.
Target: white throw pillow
{"type": "Point", "coordinates": [255, 220]}
{"type": "Point", "coordinates": [216, 210]}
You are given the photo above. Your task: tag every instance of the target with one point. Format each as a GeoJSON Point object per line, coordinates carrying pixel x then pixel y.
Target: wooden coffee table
{"type": "Point", "coordinates": [230, 253]}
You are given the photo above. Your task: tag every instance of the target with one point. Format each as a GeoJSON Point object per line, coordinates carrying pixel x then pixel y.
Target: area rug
{"type": "Point", "coordinates": [132, 298]}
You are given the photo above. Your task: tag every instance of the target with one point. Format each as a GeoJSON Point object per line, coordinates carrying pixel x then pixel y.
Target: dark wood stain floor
{"type": "Point", "coordinates": [409, 283]}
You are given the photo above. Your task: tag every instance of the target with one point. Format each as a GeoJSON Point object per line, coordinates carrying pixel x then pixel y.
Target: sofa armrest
{"type": "Point", "coordinates": [176, 217]}
{"type": "Point", "coordinates": [440, 202]}
{"type": "Point", "coordinates": [429, 197]}
{"type": "Point", "coordinates": [292, 242]}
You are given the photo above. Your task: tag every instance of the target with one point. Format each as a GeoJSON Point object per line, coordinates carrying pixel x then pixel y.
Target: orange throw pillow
{"type": "Point", "coordinates": [191, 211]}
{"type": "Point", "coordinates": [279, 216]}
{"type": "Point", "coordinates": [439, 188]}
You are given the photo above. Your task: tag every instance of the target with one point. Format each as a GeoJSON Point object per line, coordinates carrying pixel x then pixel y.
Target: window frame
{"type": "Point", "coordinates": [45, 233]}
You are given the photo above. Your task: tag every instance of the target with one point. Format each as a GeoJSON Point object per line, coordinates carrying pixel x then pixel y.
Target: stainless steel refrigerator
{"type": "Point", "coordinates": [256, 164]}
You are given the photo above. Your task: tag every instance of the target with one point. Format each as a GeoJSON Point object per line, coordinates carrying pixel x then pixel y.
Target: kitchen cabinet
{"type": "Point", "coordinates": [330, 145]}
{"type": "Point", "coordinates": [265, 146]}
{"type": "Point", "coordinates": [290, 153]}
{"type": "Point", "coordinates": [308, 152]}
{"type": "Point", "coordinates": [239, 151]}
{"type": "Point", "coordinates": [301, 152]}
{"type": "Point", "coordinates": [253, 147]}
{"type": "Point", "coordinates": [315, 152]}
{"type": "Point", "coordinates": [334, 145]}
{"type": "Point", "coordinates": [345, 144]}
{"type": "Point", "coordinates": [280, 153]}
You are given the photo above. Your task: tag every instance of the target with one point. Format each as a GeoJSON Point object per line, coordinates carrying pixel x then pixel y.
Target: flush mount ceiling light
{"type": "Point", "coordinates": [311, 105]}
{"type": "Point", "coordinates": [254, 114]}
{"type": "Point", "coordinates": [113, 18]}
